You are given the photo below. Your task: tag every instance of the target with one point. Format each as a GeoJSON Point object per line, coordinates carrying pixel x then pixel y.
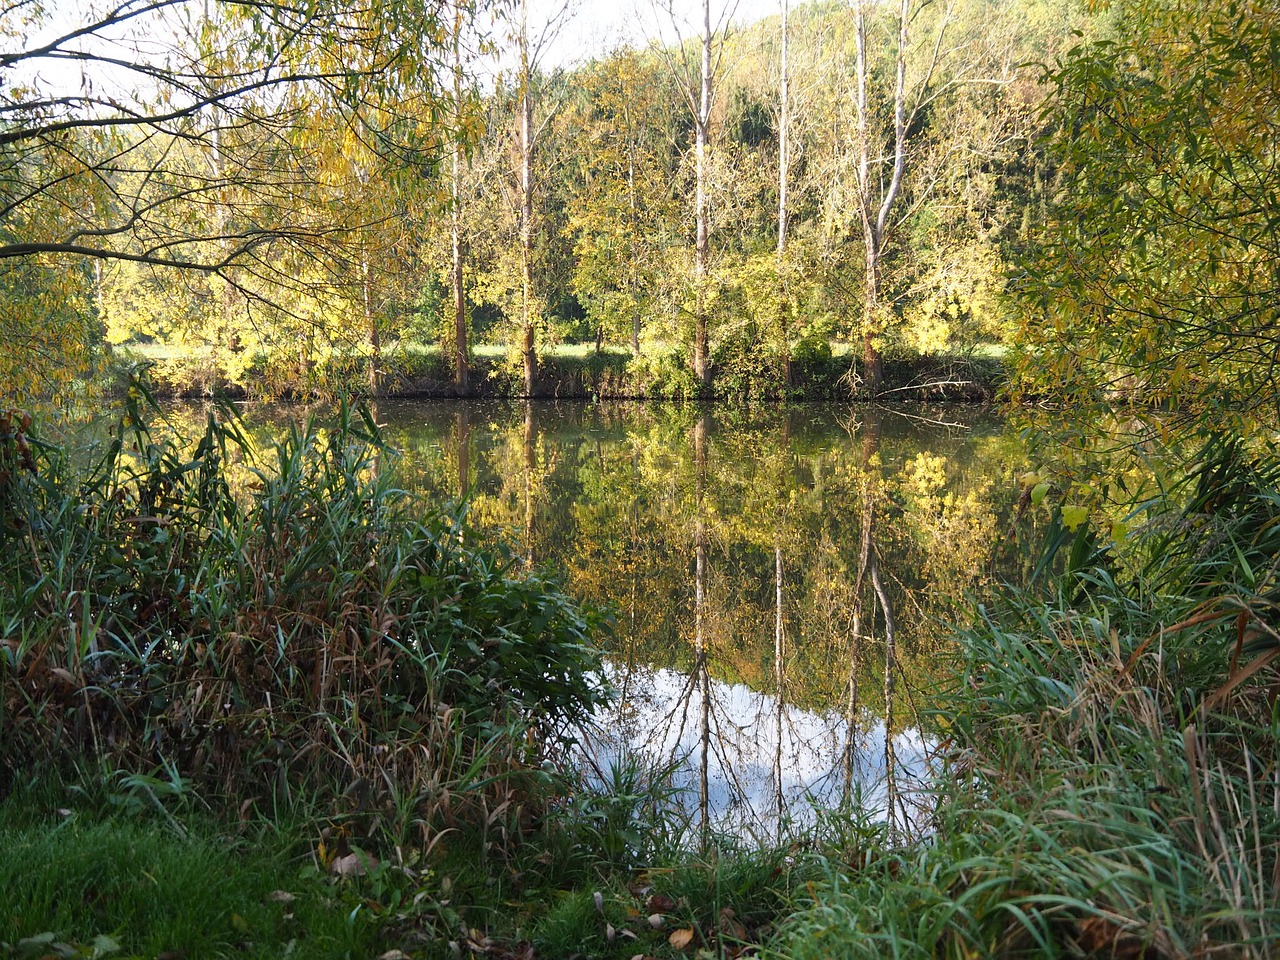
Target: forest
{"type": "Point", "coordinates": [712, 211]}
{"type": "Point", "coordinates": [391, 400]}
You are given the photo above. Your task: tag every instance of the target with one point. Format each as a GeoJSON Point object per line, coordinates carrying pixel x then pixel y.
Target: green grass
{"type": "Point", "coordinates": [130, 887]}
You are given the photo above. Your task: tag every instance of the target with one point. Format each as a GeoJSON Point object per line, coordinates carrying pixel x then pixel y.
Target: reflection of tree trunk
{"type": "Point", "coordinates": [377, 450]}
{"type": "Point", "coordinates": [530, 465]}
{"type": "Point", "coordinates": [866, 549]}
{"type": "Point", "coordinates": [462, 446]}
{"type": "Point", "coordinates": [869, 568]}
{"type": "Point", "coordinates": [890, 666]}
{"type": "Point", "coordinates": [371, 324]}
{"type": "Point", "coordinates": [779, 678]}
{"type": "Point", "coordinates": [864, 605]}
{"type": "Point", "coordinates": [699, 617]}
{"type": "Point", "coordinates": [635, 540]}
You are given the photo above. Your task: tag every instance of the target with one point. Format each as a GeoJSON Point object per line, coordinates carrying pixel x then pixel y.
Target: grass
{"type": "Point", "coordinates": [76, 883]}
{"type": "Point", "coordinates": [1111, 784]}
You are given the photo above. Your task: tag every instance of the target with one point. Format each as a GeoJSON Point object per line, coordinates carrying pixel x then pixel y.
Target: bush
{"type": "Point", "coordinates": [261, 630]}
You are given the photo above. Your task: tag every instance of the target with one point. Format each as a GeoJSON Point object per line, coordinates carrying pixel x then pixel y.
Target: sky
{"type": "Point", "coordinates": [602, 25]}
{"type": "Point", "coordinates": [595, 28]}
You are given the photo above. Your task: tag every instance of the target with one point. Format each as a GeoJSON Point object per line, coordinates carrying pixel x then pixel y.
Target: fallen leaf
{"type": "Point", "coordinates": [660, 904]}
{"type": "Point", "coordinates": [680, 939]}
{"type": "Point", "coordinates": [352, 865]}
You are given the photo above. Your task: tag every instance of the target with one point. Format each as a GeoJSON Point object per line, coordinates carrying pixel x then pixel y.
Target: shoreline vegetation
{"type": "Point", "coordinates": [569, 372]}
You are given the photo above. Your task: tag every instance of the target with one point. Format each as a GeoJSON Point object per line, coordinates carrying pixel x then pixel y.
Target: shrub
{"type": "Point", "coordinates": [264, 629]}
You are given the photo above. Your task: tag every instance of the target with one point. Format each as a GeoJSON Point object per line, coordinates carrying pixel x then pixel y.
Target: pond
{"type": "Point", "coordinates": [781, 577]}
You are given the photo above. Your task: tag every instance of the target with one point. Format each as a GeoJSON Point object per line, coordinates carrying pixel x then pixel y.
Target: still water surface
{"type": "Point", "coordinates": [781, 577]}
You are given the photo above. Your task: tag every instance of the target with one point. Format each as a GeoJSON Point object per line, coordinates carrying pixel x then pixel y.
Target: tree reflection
{"type": "Point", "coordinates": [824, 559]}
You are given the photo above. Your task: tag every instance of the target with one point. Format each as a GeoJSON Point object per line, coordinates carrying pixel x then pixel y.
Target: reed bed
{"type": "Point", "coordinates": [268, 634]}
{"type": "Point", "coordinates": [1112, 770]}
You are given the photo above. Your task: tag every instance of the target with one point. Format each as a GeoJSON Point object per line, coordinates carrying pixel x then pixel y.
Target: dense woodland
{"type": "Point", "coordinates": [284, 188]}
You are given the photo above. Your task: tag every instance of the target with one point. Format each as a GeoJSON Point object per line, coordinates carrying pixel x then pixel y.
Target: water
{"type": "Point", "coordinates": [782, 577]}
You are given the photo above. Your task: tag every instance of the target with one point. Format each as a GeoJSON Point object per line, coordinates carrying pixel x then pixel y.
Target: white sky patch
{"type": "Point", "coordinates": [602, 26]}
{"type": "Point", "coordinates": [658, 720]}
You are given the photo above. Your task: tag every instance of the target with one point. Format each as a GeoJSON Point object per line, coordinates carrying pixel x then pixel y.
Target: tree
{"type": "Point", "coordinates": [101, 167]}
{"type": "Point", "coordinates": [935, 54]}
{"type": "Point", "coordinates": [623, 215]}
{"type": "Point", "coordinates": [531, 49]}
{"type": "Point", "coordinates": [1156, 273]}
{"type": "Point", "coordinates": [698, 88]}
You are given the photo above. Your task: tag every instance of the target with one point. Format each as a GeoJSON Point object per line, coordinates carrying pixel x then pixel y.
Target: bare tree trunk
{"type": "Point", "coordinates": [701, 362]}
{"type": "Point", "coordinates": [876, 198]}
{"type": "Point", "coordinates": [784, 165]}
{"type": "Point", "coordinates": [635, 225]}
{"type": "Point", "coordinates": [461, 367]}
{"type": "Point", "coordinates": [526, 207]}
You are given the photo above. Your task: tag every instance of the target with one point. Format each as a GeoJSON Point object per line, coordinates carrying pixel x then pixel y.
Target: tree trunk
{"type": "Point", "coordinates": [784, 163]}
{"type": "Point", "coordinates": [701, 363]}
{"type": "Point", "coordinates": [461, 367]}
{"type": "Point", "coordinates": [876, 198]}
{"type": "Point", "coordinates": [526, 208]}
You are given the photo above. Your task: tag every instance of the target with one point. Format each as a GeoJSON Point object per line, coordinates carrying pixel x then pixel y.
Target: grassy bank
{"type": "Point", "coordinates": [571, 371]}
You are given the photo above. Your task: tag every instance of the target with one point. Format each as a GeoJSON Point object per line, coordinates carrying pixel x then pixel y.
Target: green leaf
{"type": "Point", "coordinates": [1073, 516]}
{"type": "Point", "coordinates": [1038, 492]}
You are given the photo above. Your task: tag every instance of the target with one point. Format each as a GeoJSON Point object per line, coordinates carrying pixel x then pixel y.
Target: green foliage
{"type": "Point", "coordinates": [1154, 278]}
{"type": "Point", "coordinates": [277, 629]}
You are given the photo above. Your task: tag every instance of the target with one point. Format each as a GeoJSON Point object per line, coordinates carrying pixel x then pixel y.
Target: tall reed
{"type": "Point", "coordinates": [307, 630]}
{"type": "Point", "coordinates": [1111, 780]}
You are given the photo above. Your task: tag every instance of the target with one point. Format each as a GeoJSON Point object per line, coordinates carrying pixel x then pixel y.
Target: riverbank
{"type": "Point", "coordinates": [567, 372]}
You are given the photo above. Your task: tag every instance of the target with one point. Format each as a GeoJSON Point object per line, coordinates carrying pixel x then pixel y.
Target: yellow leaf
{"type": "Point", "coordinates": [680, 939]}
{"type": "Point", "coordinates": [1073, 516]}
